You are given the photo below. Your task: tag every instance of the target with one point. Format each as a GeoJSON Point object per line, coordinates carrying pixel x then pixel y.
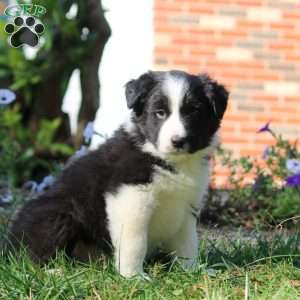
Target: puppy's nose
{"type": "Point", "coordinates": [178, 141]}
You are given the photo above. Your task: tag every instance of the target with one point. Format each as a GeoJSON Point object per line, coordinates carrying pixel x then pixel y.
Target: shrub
{"type": "Point", "coordinates": [273, 194]}
{"type": "Point", "coordinates": [25, 154]}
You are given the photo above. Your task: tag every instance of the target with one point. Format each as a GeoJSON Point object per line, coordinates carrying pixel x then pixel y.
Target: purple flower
{"type": "Point", "coordinates": [6, 97]}
{"type": "Point", "coordinates": [293, 165]}
{"type": "Point", "coordinates": [88, 132]}
{"type": "Point", "coordinates": [265, 128]}
{"type": "Point", "coordinates": [293, 180]}
{"type": "Point", "coordinates": [266, 153]}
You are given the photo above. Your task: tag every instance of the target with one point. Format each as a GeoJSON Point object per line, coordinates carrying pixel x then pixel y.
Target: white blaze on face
{"type": "Point", "coordinates": [174, 88]}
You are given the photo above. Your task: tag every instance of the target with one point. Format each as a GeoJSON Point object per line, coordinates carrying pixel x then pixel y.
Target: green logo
{"type": "Point", "coordinates": [17, 10]}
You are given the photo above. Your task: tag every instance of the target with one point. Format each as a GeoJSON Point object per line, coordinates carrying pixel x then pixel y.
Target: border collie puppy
{"type": "Point", "coordinates": [143, 188]}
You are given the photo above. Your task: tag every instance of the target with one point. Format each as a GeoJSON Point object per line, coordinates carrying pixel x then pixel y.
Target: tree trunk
{"type": "Point", "coordinates": [98, 27]}
{"type": "Point", "coordinates": [48, 94]}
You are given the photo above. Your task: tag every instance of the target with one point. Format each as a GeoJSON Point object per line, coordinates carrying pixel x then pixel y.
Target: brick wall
{"type": "Point", "coordinates": [252, 46]}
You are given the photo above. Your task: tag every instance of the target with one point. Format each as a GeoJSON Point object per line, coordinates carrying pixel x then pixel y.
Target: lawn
{"type": "Point", "coordinates": [227, 269]}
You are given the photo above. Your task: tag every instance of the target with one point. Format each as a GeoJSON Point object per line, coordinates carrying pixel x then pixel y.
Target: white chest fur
{"type": "Point", "coordinates": [177, 197]}
{"type": "Point", "coordinates": [159, 214]}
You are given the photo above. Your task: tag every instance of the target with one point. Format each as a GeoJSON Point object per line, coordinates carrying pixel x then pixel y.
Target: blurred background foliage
{"type": "Point", "coordinates": [25, 154]}
{"type": "Point", "coordinates": [70, 41]}
{"type": "Point", "coordinates": [261, 191]}
{"type": "Point", "coordinates": [34, 131]}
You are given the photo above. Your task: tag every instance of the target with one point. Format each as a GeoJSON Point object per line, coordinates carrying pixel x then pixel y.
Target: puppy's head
{"type": "Point", "coordinates": [175, 111]}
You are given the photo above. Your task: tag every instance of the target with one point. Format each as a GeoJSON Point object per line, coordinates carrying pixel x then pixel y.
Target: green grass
{"type": "Point", "coordinates": [226, 270]}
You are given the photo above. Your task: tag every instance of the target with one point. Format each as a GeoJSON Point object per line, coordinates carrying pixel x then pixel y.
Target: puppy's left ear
{"type": "Point", "coordinates": [216, 94]}
{"type": "Point", "coordinates": [137, 90]}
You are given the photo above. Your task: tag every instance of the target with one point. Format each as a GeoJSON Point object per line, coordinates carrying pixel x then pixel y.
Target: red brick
{"type": "Point", "coordinates": [201, 52]}
{"type": "Point", "coordinates": [282, 45]}
{"type": "Point", "coordinates": [248, 3]}
{"type": "Point", "coordinates": [293, 121]}
{"type": "Point", "coordinates": [250, 65]}
{"type": "Point", "coordinates": [162, 27]}
{"type": "Point", "coordinates": [234, 34]}
{"type": "Point", "coordinates": [270, 117]}
{"type": "Point", "coordinates": [264, 139]}
{"type": "Point", "coordinates": [161, 18]}
{"type": "Point", "coordinates": [168, 7]}
{"type": "Point", "coordinates": [264, 76]}
{"type": "Point", "coordinates": [233, 74]}
{"type": "Point", "coordinates": [227, 128]}
{"type": "Point", "coordinates": [292, 15]}
{"type": "Point", "coordinates": [249, 25]}
{"type": "Point", "coordinates": [201, 31]}
{"type": "Point", "coordinates": [185, 41]}
{"type": "Point", "coordinates": [168, 51]}
{"type": "Point", "coordinates": [292, 36]}
{"type": "Point", "coordinates": [249, 129]}
{"type": "Point", "coordinates": [229, 138]}
{"type": "Point", "coordinates": [213, 2]}
{"type": "Point", "coordinates": [290, 99]}
{"type": "Point", "coordinates": [187, 61]}
{"type": "Point", "coordinates": [219, 64]}
{"type": "Point", "coordinates": [239, 118]}
{"type": "Point", "coordinates": [282, 26]}
{"type": "Point", "coordinates": [193, 9]}
{"type": "Point", "coordinates": [293, 57]}
{"type": "Point", "coordinates": [282, 109]}
{"type": "Point", "coordinates": [264, 98]}
{"type": "Point", "coordinates": [251, 152]}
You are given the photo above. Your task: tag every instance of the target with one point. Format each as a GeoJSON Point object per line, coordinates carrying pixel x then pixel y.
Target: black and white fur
{"type": "Point", "coordinates": [142, 189]}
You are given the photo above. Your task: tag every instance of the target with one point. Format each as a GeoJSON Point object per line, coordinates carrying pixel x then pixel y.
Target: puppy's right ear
{"type": "Point", "coordinates": [137, 90]}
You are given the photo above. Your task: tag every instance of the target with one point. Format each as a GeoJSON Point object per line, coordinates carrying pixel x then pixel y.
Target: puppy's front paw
{"type": "Point", "coordinates": [128, 271]}
{"type": "Point", "coordinates": [188, 264]}
{"type": "Point", "coordinates": [134, 275]}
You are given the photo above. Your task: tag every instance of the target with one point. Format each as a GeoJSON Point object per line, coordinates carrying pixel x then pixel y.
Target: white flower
{"type": "Point", "coordinates": [293, 165]}
{"type": "Point", "coordinates": [31, 186]}
{"type": "Point", "coordinates": [7, 197]}
{"type": "Point", "coordinates": [47, 182]}
{"type": "Point", "coordinates": [6, 97]}
{"type": "Point", "coordinates": [88, 132]}
{"type": "Point", "coordinates": [81, 152]}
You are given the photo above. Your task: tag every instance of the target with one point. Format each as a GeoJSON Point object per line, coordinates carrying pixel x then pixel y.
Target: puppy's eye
{"type": "Point", "coordinates": [161, 114]}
